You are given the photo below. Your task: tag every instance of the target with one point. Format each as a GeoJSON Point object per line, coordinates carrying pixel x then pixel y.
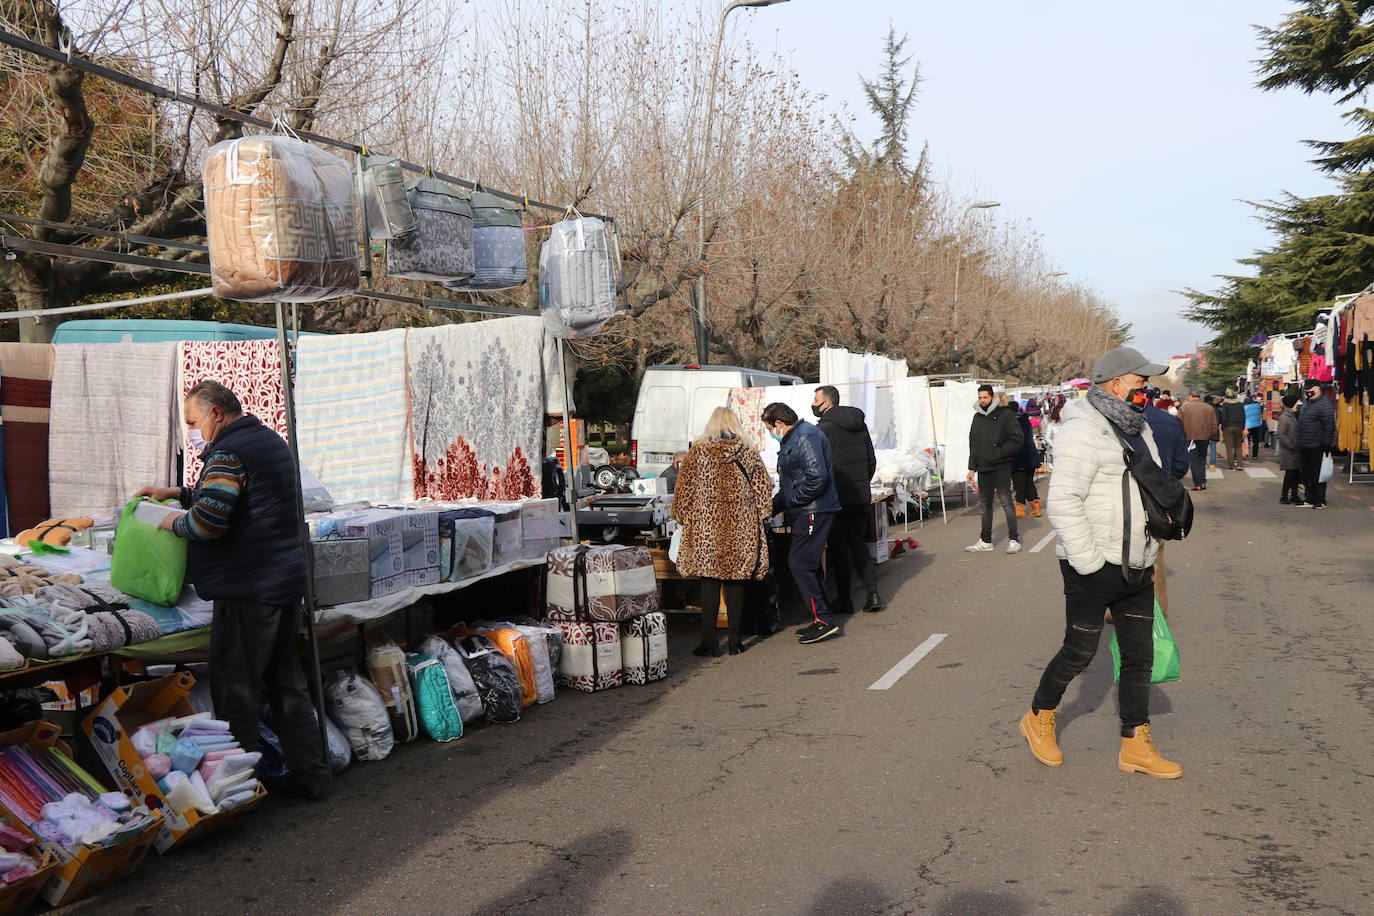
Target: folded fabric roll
{"type": "Point", "coordinates": [10, 657]}
{"type": "Point", "coordinates": [56, 531]}
{"type": "Point", "coordinates": [157, 765]}
{"type": "Point", "coordinates": [83, 597]}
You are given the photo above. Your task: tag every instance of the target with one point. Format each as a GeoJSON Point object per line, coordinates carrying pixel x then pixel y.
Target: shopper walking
{"type": "Point", "coordinates": [1086, 508]}
{"type": "Point", "coordinates": [851, 453]}
{"type": "Point", "coordinates": [723, 498]}
{"type": "Point", "coordinates": [1233, 429]}
{"type": "Point", "coordinates": [1024, 464]}
{"type": "Point", "coordinates": [1316, 439]}
{"type": "Point", "coordinates": [244, 555]}
{"type": "Point", "coordinates": [806, 497]}
{"type": "Point", "coordinates": [1254, 425]}
{"type": "Point", "coordinates": [1215, 403]}
{"type": "Point", "coordinates": [1200, 427]}
{"type": "Point", "coordinates": [1290, 459]}
{"type": "Point", "coordinates": [993, 439]}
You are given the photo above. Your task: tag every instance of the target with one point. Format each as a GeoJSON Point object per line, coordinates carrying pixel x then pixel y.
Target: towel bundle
{"type": "Point", "coordinates": [81, 597]}
{"type": "Point", "coordinates": [110, 630]}
{"type": "Point", "coordinates": [202, 765]}
{"type": "Point", "coordinates": [55, 531]}
{"type": "Point", "coordinates": [24, 579]}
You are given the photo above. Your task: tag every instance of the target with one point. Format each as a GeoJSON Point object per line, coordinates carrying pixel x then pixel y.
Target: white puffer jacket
{"type": "Point", "coordinates": [1084, 505]}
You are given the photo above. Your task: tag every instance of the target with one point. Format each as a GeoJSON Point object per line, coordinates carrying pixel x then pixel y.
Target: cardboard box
{"type": "Point", "coordinates": [21, 893]}
{"type": "Point", "coordinates": [649, 486]}
{"type": "Point", "coordinates": [78, 871]}
{"type": "Point", "coordinates": [399, 542]}
{"type": "Point", "coordinates": [539, 527]}
{"type": "Point", "coordinates": [399, 583]}
{"type": "Point", "coordinates": [121, 714]}
{"type": "Point", "coordinates": [341, 572]}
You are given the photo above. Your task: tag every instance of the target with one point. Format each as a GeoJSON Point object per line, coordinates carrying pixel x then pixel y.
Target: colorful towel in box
{"type": "Point", "coordinates": [591, 655]}
{"type": "Point", "coordinates": [512, 644]}
{"type": "Point", "coordinates": [644, 648]}
{"type": "Point", "coordinates": [249, 368]}
{"type": "Point", "coordinates": [620, 583]}
{"type": "Point", "coordinates": [25, 399]}
{"type": "Point", "coordinates": [465, 543]}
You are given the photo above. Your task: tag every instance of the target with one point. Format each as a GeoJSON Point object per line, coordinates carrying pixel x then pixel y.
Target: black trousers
{"type": "Point", "coordinates": [1256, 434]}
{"type": "Point", "coordinates": [809, 535]}
{"type": "Point", "coordinates": [1023, 486]}
{"type": "Point", "coordinates": [1086, 601]}
{"type": "Point", "coordinates": [1290, 485]}
{"type": "Point", "coordinates": [1311, 459]}
{"type": "Point", "coordinates": [252, 656]}
{"type": "Point", "coordinates": [1199, 461]}
{"type": "Point", "coordinates": [997, 483]}
{"type": "Point", "coordinates": [847, 551]}
{"type": "Point", "coordinates": [711, 590]}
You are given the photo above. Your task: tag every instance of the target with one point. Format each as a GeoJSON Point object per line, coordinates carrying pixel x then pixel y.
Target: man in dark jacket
{"type": "Point", "coordinates": [993, 439]}
{"type": "Point", "coordinates": [1024, 464]}
{"type": "Point", "coordinates": [1172, 443]}
{"type": "Point", "coordinates": [851, 452]}
{"type": "Point", "coordinates": [244, 555]}
{"type": "Point", "coordinates": [1200, 427]}
{"type": "Point", "coordinates": [1233, 429]}
{"type": "Point", "coordinates": [806, 497]}
{"type": "Point", "coordinates": [1316, 439]}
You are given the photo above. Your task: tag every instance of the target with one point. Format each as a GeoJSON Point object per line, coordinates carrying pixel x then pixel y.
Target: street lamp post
{"type": "Point", "coordinates": [703, 345]}
{"type": "Point", "coordinates": [958, 263]}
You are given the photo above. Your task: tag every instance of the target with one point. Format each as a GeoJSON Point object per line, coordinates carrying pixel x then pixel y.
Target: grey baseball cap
{"type": "Point", "coordinates": [1124, 361]}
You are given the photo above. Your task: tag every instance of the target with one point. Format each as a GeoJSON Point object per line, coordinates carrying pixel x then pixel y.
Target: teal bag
{"type": "Point", "coordinates": [438, 713]}
{"type": "Point", "coordinates": [148, 562]}
{"type": "Point", "coordinates": [1166, 665]}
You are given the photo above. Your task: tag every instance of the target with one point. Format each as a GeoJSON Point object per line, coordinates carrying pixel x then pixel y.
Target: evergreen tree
{"type": "Point", "coordinates": [891, 97]}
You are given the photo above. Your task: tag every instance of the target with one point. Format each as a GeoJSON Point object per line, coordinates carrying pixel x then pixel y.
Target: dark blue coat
{"type": "Point", "coordinates": [1028, 458]}
{"type": "Point", "coordinates": [806, 478]}
{"type": "Point", "coordinates": [1317, 424]}
{"type": "Point", "coordinates": [1170, 440]}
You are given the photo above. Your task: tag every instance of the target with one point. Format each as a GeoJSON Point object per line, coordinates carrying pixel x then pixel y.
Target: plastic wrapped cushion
{"type": "Point", "coordinates": [459, 678]}
{"type": "Point", "coordinates": [498, 245]}
{"type": "Point", "coordinates": [386, 665]}
{"type": "Point", "coordinates": [340, 751]}
{"type": "Point", "coordinates": [512, 644]}
{"type": "Point", "coordinates": [440, 248]}
{"type": "Point", "coordinates": [495, 677]}
{"type": "Point", "coordinates": [384, 196]}
{"type": "Point", "coordinates": [358, 709]}
{"type": "Point", "coordinates": [536, 639]}
{"type": "Point", "coordinates": [439, 715]}
{"type": "Point", "coordinates": [280, 218]}
{"type": "Point", "coordinates": [577, 278]}
{"type": "Point", "coordinates": [465, 543]}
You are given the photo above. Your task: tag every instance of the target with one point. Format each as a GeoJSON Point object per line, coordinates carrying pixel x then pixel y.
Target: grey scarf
{"type": "Point", "coordinates": [1124, 417]}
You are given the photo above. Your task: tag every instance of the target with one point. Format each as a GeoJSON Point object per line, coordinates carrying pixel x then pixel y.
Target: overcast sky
{"type": "Point", "coordinates": [1128, 136]}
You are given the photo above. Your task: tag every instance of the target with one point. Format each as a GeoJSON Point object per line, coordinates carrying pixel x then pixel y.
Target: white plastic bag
{"type": "Point", "coordinates": [675, 545]}
{"type": "Point", "coordinates": [1328, 468]}
{"type": "Point", "coordinates": [358, 709]}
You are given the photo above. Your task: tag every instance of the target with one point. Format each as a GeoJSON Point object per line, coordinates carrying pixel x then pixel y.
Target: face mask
{"type": "Point", "coordinates": [775, 434]}
{"type": "Point", "coordinates": [197, 441]}
{"type": "Point", "coordinates": [1313, 395]}
{"type": "Point", "coordinates": [1138, 398]}
{"type": "Point", "coordinates": [816, 411]}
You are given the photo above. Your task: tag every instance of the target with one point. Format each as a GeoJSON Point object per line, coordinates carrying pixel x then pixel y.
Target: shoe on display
{"type": "Point", "coordinates": [1013, 546]}
{"type": "Point", "coordinates": [1139, 755]}
{"type": "Point", "coordinates": [981, 547]}
{"type": "Point", "coordinates": [822, 631]}
{"type": "Point", "coordinates": [874, 604]}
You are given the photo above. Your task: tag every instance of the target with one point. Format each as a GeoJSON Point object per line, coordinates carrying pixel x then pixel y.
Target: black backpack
{"type": "Point", "coordinates": [1168, 507]}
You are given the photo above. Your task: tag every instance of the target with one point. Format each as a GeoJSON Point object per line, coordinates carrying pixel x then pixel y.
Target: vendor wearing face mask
{"type": "Point", "coordinates": [1085, 509]}
{"type": "Point", "coordinates": [244, 555]}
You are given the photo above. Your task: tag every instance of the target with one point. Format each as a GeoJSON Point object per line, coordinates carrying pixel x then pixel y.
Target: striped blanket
{"type": "Point", "coordinates": [352, 414]}
{"type": "Point", "coordinates": [25, 395]}
{"type": "Point", "coordinates": [249, 368]}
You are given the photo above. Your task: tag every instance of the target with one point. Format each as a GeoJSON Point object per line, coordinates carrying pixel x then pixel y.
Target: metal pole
{"type": "Point", "coordinates": [566, 386]}
{"type": "Point", "coordinates": [303, 530]}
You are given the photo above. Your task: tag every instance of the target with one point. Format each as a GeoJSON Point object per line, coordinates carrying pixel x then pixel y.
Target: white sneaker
{"type": "Point", "coordinates": [981, 547]}
{"type": "Point", "coordinates": [1013, 547]}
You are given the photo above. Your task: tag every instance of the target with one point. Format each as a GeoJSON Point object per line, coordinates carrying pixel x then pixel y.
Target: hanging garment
{"type": "Point", "coordinates": [644, 648]}
{"type": "Point", "coordinates": [25, 398]}
{"type": "Point", "coordinates": [440, 247]}
{"type": "Point", "coordinates": [280, 219]}
{"type": "Point", "coordinates": [477, 408]}
{"type": "Point", "coordinates": [498, 241]}
{"type": "Point", "coordinates": [249, 368]}
{"type": "Point", "coordinates": [577, 278]}
{"type": "Point", "coordinates": [119, 395]}
{"type": "Point", "coordinates": [352, 414]}
{"type": "Point", "coordinates": [434, 705]}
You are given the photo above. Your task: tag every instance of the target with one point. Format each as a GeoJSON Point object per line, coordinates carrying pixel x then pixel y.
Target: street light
{"type": "Point", "coordinates": [699, 313]}
{"type": "Point", "coordinates": [958, 263]}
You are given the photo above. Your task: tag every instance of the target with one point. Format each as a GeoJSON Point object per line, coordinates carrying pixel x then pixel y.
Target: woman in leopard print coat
{"type": "Point", "coordinates": [723, 497]}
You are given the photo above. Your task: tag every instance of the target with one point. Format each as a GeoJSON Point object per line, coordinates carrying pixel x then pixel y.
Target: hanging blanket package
{"type": "Point", "coordinates": [386, 665]}
{"type": "Point", "coordinates": [384, 195]}
{"type": "Point", "coordinates": [433, 699]}
{"type": "Point", "coordinates": [498, 242]}
{"type": "Point", "coordinates": [620, 583]}
{"type": "Point", "coordinates": [577, 278]}
{"type": "Point", "coordinates": [440, 248]}
{"type": "Point", "coordinates": [495, 677]}
{"type": "Point", "coordinates": [358, 709]}
{"type": "Point", "coordinates": [279, 214]}
{"type": "Point", "coordinates": [459, 678]}
{"type": "Point", "coordinates": [644, 648]}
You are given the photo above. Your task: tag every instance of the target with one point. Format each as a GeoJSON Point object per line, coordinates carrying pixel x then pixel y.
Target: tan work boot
{"type": "Point", "coordinates": [1138, 755]}
{"type": "Point", "coordinates": [1035, 509]}
{"type": "Point", "coordinates": [1020, 510]}
{"type": "Point", "coordinates": [1039, 731]}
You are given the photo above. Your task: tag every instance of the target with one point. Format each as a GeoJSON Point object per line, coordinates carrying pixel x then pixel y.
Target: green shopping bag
{"type": "Point", "coordinates": [1166, 652]}
{"type": "Point", "coordinates": [148, 562]}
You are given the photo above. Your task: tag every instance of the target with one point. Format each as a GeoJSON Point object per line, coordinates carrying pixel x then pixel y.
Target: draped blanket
{"type": "Point", "coordinates": [25, 396]}
{"type": "Point", "coordinates": [111, 424]}
{"type": "Point", "coordinates": [352, 414]}
{"type": "Point", "coordinates": [249, 368]}
{"type": "Point", "coordinates": [477, 395]}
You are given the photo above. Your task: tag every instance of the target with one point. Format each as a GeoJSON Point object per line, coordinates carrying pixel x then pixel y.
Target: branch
{"type": "Point", "coordinates": [248, 102]}
{"type": "Point", "coordinates": [68, 153]}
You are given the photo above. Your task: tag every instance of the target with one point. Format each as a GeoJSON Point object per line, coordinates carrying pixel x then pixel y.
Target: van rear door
{"type": "Point", "coordinates": [658, 426]}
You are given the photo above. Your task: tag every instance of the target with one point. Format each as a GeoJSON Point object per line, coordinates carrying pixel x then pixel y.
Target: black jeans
{"type": "Point", "coordinates": [252, 653]}
{"type": "Point", "coordinates": [1023, 485]}
{"type": "Point", "coordinates": [1086, 600]}
{"type": "Point", "coordinates": [1290, 485]}
{"type": "Point", "coordinates": [1199, 461]}
{"type": "Point", "coordinates": [711, 590]}
{"type": "Point", "coordinates": [997, 483]}
{"type": "Point", "coordinates": [848, 548]}
{"type": "Point", "coordinates": [809, 534]}
{"type": "Point", "coordinates": [1256, 434]}
{"type": "Point", "coordinates": [1313, 491]}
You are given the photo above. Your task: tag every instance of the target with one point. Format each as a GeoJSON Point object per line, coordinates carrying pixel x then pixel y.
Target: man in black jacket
{"type": "Point", "coordinates": [851, 455]}
{"type": "Point", "coordinates": [1233, 429]}
{"type": "Point", "coordinates": [993, 439]}
{"type": "Point", "coordinates": [1316, 438]}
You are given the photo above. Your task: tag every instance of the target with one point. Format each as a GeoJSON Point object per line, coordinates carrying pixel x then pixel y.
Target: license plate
{"type": "Point", "coordinates": [658, 457]}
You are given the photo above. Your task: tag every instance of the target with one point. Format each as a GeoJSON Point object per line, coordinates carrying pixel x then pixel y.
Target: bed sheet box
{"type": "Point", "coordinates": [83, 869]}
{"type": "Point", "coordinates": [398, 542]}
{"type": "Point", "coordinates": [21, 893]}
{"type": "Point", "coordinates": [109, 727]}
{"type": "Point", "coordinates": [341, 570]}
{"type": "Point", "coordinates": [465, 543]}
{"type": "Point", "coordinates": [508, 538]}
{"type": "Point", "coordinates": [399, 583]}
{"type": "Point", "coordinates": [540, 527]}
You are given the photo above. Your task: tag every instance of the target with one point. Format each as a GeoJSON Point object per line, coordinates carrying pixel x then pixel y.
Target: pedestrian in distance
{"type": "Point", "coordinates": [1200, 427]}
{"type": "Point", "coordinates": [1254, 425]}
{"type": "Point", "coordinates": [807, 500]}
{"type": "Point", "coordinates": [1106, 563]}
{"type": "Point", "coordinates": [1049, 429]}
{"type": "Point", "coordinates": [723, 498]}
{"type": "Point", "coordinates": [1024, 464]}
{"type": "Point", "coordinates": [1290, 460]}
{"type": "Point", "coordinates": [1233, 429]}
{"type": "Point", "coordinates": [994, 438]}
{"type": "Point", "coordinates": [1316, 438]}
{"type": "Point", "coordinates": [851, 453]}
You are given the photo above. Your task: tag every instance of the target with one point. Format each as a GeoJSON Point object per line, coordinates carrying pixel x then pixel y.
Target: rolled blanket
{"type": "Point", "coordinates": [56, 531]}
{"type": "Point", "coordinates": [90, 596]}
{"type": "Point", "coordinates": [142, 626]}
{"type": "Point", "coordinates": [10, 658]}
{"type": "Point", "coordinates": [68, 636]}
{"type": "Point", "coordinates": [23, 636]}
{"type": "Point", "coordinates": [110, 630]}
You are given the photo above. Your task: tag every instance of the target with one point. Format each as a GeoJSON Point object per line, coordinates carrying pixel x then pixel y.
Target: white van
{"type": "Point", "coordinates": [676, 401]}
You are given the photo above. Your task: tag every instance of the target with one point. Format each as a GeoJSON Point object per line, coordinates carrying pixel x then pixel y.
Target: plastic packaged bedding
{"type": "Point", "coordinates": [386, 665]}
{"type": "Point", "coordinates": [438, 714]}
{"type": "Point", "coordinates": [512, 644]}
{"type": "Point", "coordinates": [459, 678]}
{"type": "Point", "coordinates": [495, 677]}
{"type": "Point", "coordinates": [577, 278]}
{"type": "Point", "coordinates": [357, 707]}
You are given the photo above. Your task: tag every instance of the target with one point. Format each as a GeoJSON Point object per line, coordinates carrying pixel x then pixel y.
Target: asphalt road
{"type": "Point", "coordinates": [777, 782]}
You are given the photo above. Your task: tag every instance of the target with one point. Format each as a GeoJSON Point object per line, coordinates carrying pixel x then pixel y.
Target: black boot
{"type": "Point", "coordinates": [874, 604]}
{"type": "Point", "coordinates": [707, 649]}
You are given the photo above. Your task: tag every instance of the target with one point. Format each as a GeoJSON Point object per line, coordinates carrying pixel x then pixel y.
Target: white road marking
{"type": "Point", "coordinates": [1043, 541]}
{"type": "Point", "coordinates": [1215, 475]}
{"type": "Point", "coordinates": [1259, 473]}
{"type": "Point", "coordinates": [902, 667]}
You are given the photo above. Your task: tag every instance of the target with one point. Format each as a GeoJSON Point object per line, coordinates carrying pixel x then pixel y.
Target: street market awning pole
{"type": "Point", "coordinates": [566, 386]}
{"type": "Point", "coordinates": [302, 529]}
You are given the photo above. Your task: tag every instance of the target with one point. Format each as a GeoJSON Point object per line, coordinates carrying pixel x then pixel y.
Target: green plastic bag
{"type": "Point", "coordinates": [1166, 666]}
{"type": "Point", "coordinates": [148, 562]}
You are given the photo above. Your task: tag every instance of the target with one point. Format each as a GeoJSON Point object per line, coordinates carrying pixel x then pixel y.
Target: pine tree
{"type": "Point", "coordinates": [891, 97]}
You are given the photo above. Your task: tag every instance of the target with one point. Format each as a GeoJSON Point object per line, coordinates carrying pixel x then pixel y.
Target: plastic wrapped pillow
{"type": "Point", "coordinates": [459, 678]}
{"type": "Point", "coordinates": [357, 707]}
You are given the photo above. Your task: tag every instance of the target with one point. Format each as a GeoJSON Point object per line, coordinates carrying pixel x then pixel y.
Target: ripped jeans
{"type": "Point", "coordinates": [1086, 600]}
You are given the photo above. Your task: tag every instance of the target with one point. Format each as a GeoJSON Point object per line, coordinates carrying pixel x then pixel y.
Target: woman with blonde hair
{"type": "Point", "coordinates": [723, 497]}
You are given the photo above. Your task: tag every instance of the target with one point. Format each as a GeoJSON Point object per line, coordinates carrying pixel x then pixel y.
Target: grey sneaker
{"type": "Point", "coordinates": [1013, 547]}
{"type": "Point", "coordinates": [981, 547]}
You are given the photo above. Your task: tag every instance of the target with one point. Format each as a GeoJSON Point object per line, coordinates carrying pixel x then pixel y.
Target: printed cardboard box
{"type": "Point", "coordinates": [121, 714]}
{"type": "Point", "coordinates": [21, 893]}
{"type": "Point", "coordinates": [399, 542]}
{"type": "Point", "coordinates": [540, 528]}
